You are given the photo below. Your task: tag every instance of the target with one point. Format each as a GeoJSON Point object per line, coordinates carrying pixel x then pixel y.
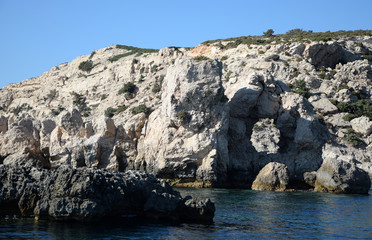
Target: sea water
{"type": "Point", "coordinates": [240, 214]}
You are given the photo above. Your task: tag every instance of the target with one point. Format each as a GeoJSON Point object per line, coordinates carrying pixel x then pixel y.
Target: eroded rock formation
{"type": "Point", "coordinates": [213, 120]}
{"type": "Point", "coordinates": [91, 194]}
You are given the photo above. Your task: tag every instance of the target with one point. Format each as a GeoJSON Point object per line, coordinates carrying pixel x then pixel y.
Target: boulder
{"type": "Point", "coordinates": [325, 106]}
{"type": "Point", "coordinates": [336, 120]}
{"type": "Point", "coordinates": [324, 54]}
{"type": "Point", "coordinates": [339, 176]}
{"type": "Point", "coordinates": [90, 194]}
{"type": "Point", "coordinates": [362, 125]}
{"type": "Point", "coordinates": [273, 177]}
{"type": "Point", "coordinates": [345, 95]}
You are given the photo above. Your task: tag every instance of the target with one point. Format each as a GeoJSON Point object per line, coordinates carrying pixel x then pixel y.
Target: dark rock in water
{"type": "Point", "coordinates": [90, 194]}
{"type": "Point", "coordinates": [338, 176]}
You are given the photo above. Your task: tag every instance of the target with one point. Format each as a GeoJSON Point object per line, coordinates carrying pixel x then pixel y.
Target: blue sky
{"type": "Point", "coordinates": [39, 34]}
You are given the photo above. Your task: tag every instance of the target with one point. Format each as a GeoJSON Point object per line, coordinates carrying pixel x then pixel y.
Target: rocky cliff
{"type": "Point", "coordinates": [213, 115]}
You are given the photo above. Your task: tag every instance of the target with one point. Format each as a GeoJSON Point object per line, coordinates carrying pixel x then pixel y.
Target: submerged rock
{"type": "Point", "coordinates": [90, 194]}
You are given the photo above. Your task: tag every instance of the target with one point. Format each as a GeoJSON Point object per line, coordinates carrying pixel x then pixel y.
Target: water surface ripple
{"type": "Point", "coordinates": [240, 214]}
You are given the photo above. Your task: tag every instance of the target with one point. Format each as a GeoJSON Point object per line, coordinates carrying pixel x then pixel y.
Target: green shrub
{"type": "Point", "coordinates": [92, 54]}
{"type": "Point", "coordinates": [16, 110]}
{"type": "Point", "coordinates": [354, 138]}
{"type": "Point", "coordinates": [261, 52]}
{"type": "Point", "coordinates": [201, 58]}
{"type": "Point", "coordinates": [295, 73]}
{"type": "Point", "coordinates": [224, 58]}
{"type": "Point", "coordinates": [80, 102]}
{"type": "Point", "coordinates": [121, 108]}
{"type": "Point", "coordinates": [129, 87]}
{"type": "Point", "coordinates": [154, 68]}
{"type": "Point", "coordinates": [156, 88]}
{"type": "Point", "coordinates": [21, 108]}
{"type": "Point", "coordinates": [349, 117]}
{"type": "Point", "coordinates": [128, 95]}
{"type": "Point", "coordinates": [300, 88]}
{"type": "Point", "coordinates": [342, 87]}
{"type": "Point", "coordinates": [183, 116]}
{"type": "Point", "coordinates": [140, 79]}
{"type": "Point", "coordinates": [56, 112]}
{"type": "Point", "coordinates": [285, 63]}
{"type": "Point", "coordinates": [357, 109]}
{"type": "Point", "coordinates": [136, 49]}
{"type": "Point", "coordinates": [368, 57]}
{"type": "Point", "coordinates": [110, 112]}
{"type": "Point", "coordinates": [322, 75]}
{"type": "Point", "coordinates": [268, 33]}
{"type": "Point", "coordinates": [291, 36]}
{"type": "Point", "coordinates": [117, 57]}
{"type": "Point", "coordinates": [295, 31]}
{"type": "Point", "coordinates": [132, 50]}
{"type": "Point", "coordinates": [228, 75]}
{"type": "Point", "coordinates": [142, 108]}
{"type": "Point", "coordinates": [86, 66]}
{"type": "Point", "coordinates": [103, 97]}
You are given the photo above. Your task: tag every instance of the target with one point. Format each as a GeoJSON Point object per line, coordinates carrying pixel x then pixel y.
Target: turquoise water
{"type": "Point", "coordinates": [240, 214]}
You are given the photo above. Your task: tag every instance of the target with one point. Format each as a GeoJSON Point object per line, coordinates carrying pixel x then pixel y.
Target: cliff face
{"type": "Point", "coordinates": [212, 115]}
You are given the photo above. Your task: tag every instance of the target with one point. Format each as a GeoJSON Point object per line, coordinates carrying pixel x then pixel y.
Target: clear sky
{"type": "Point", "coordinates": [39, 34]}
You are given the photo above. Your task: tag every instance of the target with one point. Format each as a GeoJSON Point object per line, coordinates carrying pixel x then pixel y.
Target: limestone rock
{"type": "Point", "coordinates": [203, 112]}
{"type": "Point", "coordinates": [337, 120]}
{"type": "Point", "coordinates": [273, 177]}
{"type": "Point", "coordinates": [362, 125]}
{"type": "Point", "coordinates": [345, 95]}
{"type": "Point", "coordinates": [47, 127]}
{"type": "Point", "coordinates": [338, 176]}
{"type": "Point", "coordinates": [265, 137]}
{"type": "Point", "coordinates": [186, 137]}
{"type": "Point", "coordinates": [91, 194]}
{"type": "Point", "coordinates": [243, 97]}
{"type": "Point", "coordinates": [324, 54]}
{"type": "Point", "coordinates": [71, 122]}
{"type": "Point", "coordinates": [22, 142]}
{"type": "Point", "coordinates": [325, 106]}
{"type": "Point", "coordinates": [310, 178]}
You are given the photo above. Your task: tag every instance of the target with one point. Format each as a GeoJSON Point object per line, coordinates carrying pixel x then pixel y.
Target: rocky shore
{"type": "Point", "coordinates": [267, 113]}
{"type": "Point", "coordinates": [85, 194]}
